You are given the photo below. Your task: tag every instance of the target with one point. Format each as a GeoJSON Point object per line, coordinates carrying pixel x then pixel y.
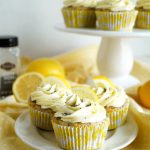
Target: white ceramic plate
{"type": "Point", "coordinates": [42, 140]}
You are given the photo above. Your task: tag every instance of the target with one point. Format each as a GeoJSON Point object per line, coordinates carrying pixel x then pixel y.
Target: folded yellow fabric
{"type": "Point", "coordinates": [11, 107]}
{"type": "Point", "coordinates": [8, 138]}
{"type": "Point", "coordinates": [141, 70]}
{"type": "Point", "coordinates": [80, 63]}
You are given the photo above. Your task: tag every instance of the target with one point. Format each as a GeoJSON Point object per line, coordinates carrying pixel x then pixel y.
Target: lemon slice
{"type": "Point", "coordinates": [25, 84]}
{"type": "Point", "coordinates": [84, 92]}
{"type": "Point", "coordinates": [60, 82]}
{"type": "Point", "coordinates": [98, 78]}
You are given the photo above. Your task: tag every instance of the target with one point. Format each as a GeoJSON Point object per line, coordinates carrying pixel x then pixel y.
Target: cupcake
{"type": "Point", "coordinates": [115, 101]}
{"type": "Point", "coordinates": [79, 13]}
{"type": "Point", "coordinates": [143, 18]}
{"type": "Point", "coordinates": [116, 15]}
{"type": "Point", "coordinates": [81, 124]}
{"type": "Point", "coordinates": [44, 102]}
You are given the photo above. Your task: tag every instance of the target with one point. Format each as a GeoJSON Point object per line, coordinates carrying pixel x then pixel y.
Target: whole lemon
{"type": "Point", "coordinates": [144, 94]}
{"type": "Point", "coordinates": [46, 67]}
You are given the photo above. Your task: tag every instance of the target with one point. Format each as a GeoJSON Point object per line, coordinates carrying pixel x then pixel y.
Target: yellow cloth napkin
{"type": "Point", "coordinates": [12, 108]}
{"type": "Point", "coordinates": [8, 138]}
{"type": "Point", "coordinates": [78, 64]}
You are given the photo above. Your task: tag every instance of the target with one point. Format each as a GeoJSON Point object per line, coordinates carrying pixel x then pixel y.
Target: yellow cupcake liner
{"type": "Point", "coordinates": [116, 21]}
{"type": "Point", "coordinates": [79, 18]}
{"type": "Point", "coordinates": [118, 116]}
{"type": "Point", "coordinates": [41, 119]}
{"type": "Point", "coordinates": [143, 19]}
{"type": "Point", "coordinates": [81, 138]}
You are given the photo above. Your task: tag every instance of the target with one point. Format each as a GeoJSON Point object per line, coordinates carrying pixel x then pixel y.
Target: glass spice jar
{"type": "Point", "coordinates": [9, 63]}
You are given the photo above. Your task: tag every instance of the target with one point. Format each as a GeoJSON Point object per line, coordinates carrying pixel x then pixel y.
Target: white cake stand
{"type": "Point", "coordinates": [115, 58]}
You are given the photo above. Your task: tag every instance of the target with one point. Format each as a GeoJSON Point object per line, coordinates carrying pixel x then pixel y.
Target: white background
{"type": "Point", "coordinates": [34, 20]}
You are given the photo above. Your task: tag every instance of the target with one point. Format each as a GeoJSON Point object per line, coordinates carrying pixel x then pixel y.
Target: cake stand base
{"type": "Point", "coordinates": [115, 60]}
{"type": "Point", "coordinates": [126, 81]}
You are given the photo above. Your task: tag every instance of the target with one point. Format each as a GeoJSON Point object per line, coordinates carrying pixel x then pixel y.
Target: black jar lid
{"type": "Point", "coordinates": [8, 41]}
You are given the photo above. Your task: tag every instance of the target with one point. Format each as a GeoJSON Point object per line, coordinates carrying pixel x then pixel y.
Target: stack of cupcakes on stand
{"type": "Point", "coordinates": [111, 15]}
{"type": "Point", "coordinates": [143, 18]}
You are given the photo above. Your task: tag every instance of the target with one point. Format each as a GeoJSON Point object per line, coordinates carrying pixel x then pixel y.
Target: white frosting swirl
{"type": "Point", "coordinates": [145, 4]}
{"type": "Point", "coordinates": [116, 5]}
{"type": "Point", "coordinates": [81, 110]}
{"type": "Point", "coordinates": [48, 96]}
{"type": "Point", "coordinates": [109, 96]}
{"type": "Point", "coordinates": [80, 3]}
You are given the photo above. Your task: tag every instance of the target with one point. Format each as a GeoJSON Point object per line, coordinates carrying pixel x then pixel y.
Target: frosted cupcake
{"type": "Point", "coordinates": [143, 18]}
{"type": "Point", "coordinates": [115, 101]}
{"type": "Point", "coordinates": [79, 13]}
{"type": "Point", "coordinates": [116, 15]}
{"type": "Point", "coordinates": [81, 124]}
{"type": "Point", "coordinates": [46, 100]}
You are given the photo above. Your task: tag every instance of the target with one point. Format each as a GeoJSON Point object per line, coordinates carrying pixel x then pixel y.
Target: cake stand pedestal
{"type": "Point", "coordinates": [115, 58]}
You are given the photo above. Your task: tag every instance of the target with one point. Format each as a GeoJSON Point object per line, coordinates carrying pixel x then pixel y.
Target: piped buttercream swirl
{"type": "Point", "coordinates": [110, 96]}
{"type": "Point", "coordinates": [81, 110]}
{"type": "Point", "coordinates": [49, 96]}
{"type": "Point", "coordinates": [116, 5]}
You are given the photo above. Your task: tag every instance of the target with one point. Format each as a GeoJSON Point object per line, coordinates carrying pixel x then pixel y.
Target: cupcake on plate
{"type": "Point", "coordinates": [143, 18]}
{"type": "Point", "coordinates": [116, 15]}
{"type": "Point", "coordinates": [115, 101]}
{"type": "Point", "coordinates": [81, 124]}
{"type": "Point", "coordinates": [46, 100]}
{"type": "Point", "coordinates": [79, 13]}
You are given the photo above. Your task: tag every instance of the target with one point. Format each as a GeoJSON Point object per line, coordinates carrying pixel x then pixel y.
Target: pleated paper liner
{"type": "Point", "coordinates": [41, 119]}
{"type": "Point", "coordinates": [82, 137]}
{"type": "Point", "coordinates": [118, 116]}
{"type": "Point", "coordinates": [116, 21]}
{"type": "Point", "coordinates": [79, 17]}
{"type": "Point", "coordinates": [143, 19]}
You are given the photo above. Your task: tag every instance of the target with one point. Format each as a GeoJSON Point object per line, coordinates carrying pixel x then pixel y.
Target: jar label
{"type": "Point", "coordinates": [7, 66]}
{"type": "Point", "coordinates": [6, 84]}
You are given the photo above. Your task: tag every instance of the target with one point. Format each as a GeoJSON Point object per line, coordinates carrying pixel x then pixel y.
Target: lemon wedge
{"type": "Point", "coordinates": [98, 78]}
{"type": "Point", "coordinates": [84, 92]}
{"type": "Point", "coordinates": [60, 82]}
{"type": "Point", "coordinates": [25, 84]}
